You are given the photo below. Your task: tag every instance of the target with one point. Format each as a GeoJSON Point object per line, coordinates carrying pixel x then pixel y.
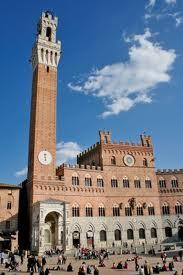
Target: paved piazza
{"type": "Point", "coordinates": [52, 262]}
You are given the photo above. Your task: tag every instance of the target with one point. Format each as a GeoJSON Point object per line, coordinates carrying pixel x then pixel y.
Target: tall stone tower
{"type": "Point", "coordinates": [42, 139]}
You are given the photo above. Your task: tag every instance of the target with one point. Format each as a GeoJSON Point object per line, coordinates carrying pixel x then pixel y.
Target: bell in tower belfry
{"type": "Point", "coordinates": [45, 59]}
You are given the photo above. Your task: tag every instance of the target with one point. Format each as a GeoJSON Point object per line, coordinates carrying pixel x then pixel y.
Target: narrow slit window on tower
{"type": "Point", "coordinates": [47, 69]}
{"type": "Point", "coordinates": [48, 33]}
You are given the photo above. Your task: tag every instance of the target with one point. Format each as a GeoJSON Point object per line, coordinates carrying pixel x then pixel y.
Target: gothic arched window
{"type": "Point", "coordinates": [100, 181]}
{"type": "Point", "coordinates": [75, 179]}
{"type": "Point", "coordinates": [168, 231]}
{"type": "Point", "coordinates": [153, 232]}
{"type": "Point", "coordinates": [103, 236]}
{"type": "Point", "coordinates": [137, 182]}
{"type": "Point", "coordinates": [75, 210]}
{"type": "Point", "coordinates": [139, 210]}
{"type": "Point", "coordinates": [116, 210]}
{"type": "Point", "coordinates": [126, 182]}
{"type": "Point", "coordinates": [130, 234]}
{"type": "Point", "coordinates": [148, 183]}
{"type": "Point", "coordinates": [162, 183]}
{"type": "Point", "coordinates": [101, 210]}
{"type": "Point", "coordinates": [174, 182]}
{"type": "Point", "coordinates": [117, 235]}
{"type": "Point", "coordinates": [151, 210]}
{"type": "Point", "coordinates": [89, 210]}
{"type": "Point", "coordinates": [88, 181]}
{"type": "Point", "coordinates": [114, 182]}
{"type": "Point", "coordinates": [141, 233]}
{"type": "Point", "coordinates": [165, 209]}
{"type": "Point", "coordinates": [178, 208]}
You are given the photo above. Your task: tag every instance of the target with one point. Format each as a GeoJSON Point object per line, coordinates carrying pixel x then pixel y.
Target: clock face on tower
{"type": "Point", "coordinates": [45, 157]}
{"type": "Point", "coordinates": [129, 160]}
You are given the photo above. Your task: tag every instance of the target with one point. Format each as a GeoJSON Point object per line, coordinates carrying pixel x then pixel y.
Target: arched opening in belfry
{"type": "Point", "coordinates": [48, 33]}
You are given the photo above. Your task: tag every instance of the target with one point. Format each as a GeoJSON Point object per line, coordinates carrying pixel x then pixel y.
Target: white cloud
{"type": "Point", "coordinates": [21, 173]}
{"type": "Point", "coordinates": [67, 151]}
{"type": "Point", "coordinates": [178, 21]}
{"type": "Point", "coordinates": [150, 4]}
{"type": "Point", "coordinates": [164, 12]}
{"type": "Point", "coordinates": [176, 16]}
{"type": "Point", "coordinates": [170, 2]}
{"type": "Point", "coordinates": [123, 85]}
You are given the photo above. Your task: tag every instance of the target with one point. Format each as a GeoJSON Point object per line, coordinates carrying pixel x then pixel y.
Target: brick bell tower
{"type": "Point", "coordinates": [42, 139]}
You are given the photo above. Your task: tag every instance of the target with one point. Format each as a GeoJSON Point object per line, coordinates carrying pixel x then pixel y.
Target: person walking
{"type": "Point", "coordinates": [43, 263]}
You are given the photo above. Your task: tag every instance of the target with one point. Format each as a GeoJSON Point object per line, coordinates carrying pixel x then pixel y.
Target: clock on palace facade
{"type": "Point", "coordinates": [129, 160]}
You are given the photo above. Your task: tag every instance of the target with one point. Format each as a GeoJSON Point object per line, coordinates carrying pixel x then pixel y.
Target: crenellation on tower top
{"type": "Point", "coordinates": [105, 136]}
{"type": "Point", "coordinates": [146, 140]}
{"type": "Point", "coordinates": [46, 49]}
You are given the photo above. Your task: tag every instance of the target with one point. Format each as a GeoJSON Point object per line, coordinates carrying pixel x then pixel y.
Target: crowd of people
{"type": "Point", "coordinates": [38, 264]}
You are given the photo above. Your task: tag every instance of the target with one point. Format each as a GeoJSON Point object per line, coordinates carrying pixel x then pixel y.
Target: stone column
{"type": "Point", "coordinates": [83, 242]}
{"type": "Point", "coordinates": [136, 237]}
{"type": "Point", "coordinates": [41, 238]}
{"type": "Point", "coordinates": [60, 228]}
{"type": "Point", "coordinates": [148, 236]}
{"type": "Point", "coordinates": [96, 240]}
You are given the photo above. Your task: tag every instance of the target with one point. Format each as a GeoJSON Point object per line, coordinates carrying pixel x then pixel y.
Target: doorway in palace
{"type": "Point", "coordinates": [51, 230]}
{"type": "Point", "coordinates": [90, 239]}
{"type": "Point", "coordinates": [76, 239]}
{"type": "Point", "coordinates": [180, 233]}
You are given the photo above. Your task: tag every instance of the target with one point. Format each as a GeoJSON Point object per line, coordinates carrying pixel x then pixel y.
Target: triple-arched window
{"type": "Point", "coordinates": [178, 208]}
{"type": "Point", "coordinates": [128, 210]}
{"type": "Point", "coordinates": [114, 182]}
{"type": "Point", "coordinates": [137, 183]}
{"type": "Point", "coordinates": [89, 210]}
{"type": "Point", "coordinates": [166, 209]}
{"type": "Point", "coordinates": [162, 183]}
{"type": "Point", "coordinates": [75, 210]}
{"type": "Point", "coordinates": [174, 182]}
{"type": "Point", "coordinates": [100, 181]}
{"type": "Point", "coordinates": [126, 183]}
{"type": "Point", "coordinates": [88, 180]}
{"type": "Point", "coordinates": [101, 210]}
{"type": "Point", "coordinates": [75, 179]}
{"type": "Point", "coordinates": [116, 210]}
{"type": "Point", "coordinates": [151, 210]}
{"type": "Point", "coordinates": [140, 210]}
{"type": "Point", "coordinates": [148, 183]}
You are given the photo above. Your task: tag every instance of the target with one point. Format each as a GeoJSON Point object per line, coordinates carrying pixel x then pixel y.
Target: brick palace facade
{"type": "Point", "coordinates": [113, 196]}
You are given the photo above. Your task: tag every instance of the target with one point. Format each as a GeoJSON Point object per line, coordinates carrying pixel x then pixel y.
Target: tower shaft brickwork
{"type": "Point", "coordinates": [42, 140]}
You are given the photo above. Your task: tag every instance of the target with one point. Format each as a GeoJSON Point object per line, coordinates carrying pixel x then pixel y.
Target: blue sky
{"type": "Point", "coordinates": [121, 70]}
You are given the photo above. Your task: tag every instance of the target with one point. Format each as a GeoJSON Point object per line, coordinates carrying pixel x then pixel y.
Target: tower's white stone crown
{"type": "Point", "coordinates": [46, 49]}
